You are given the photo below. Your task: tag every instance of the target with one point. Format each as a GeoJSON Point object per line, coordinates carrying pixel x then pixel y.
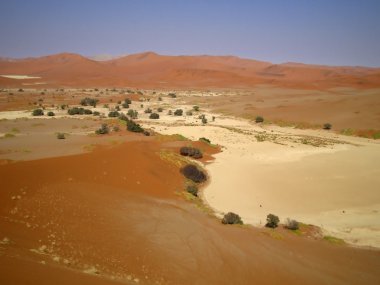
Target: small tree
{"type": "Point", "coordinates": [232, 218]}
{"type": "Point", "coordinates": [259, 119]}
{"type": "Point", "coordinates": [327, 126]}
{"type": "Point", "coordinates": [38, 112]}
{"type": "Point", "coordinates": [272, 221]}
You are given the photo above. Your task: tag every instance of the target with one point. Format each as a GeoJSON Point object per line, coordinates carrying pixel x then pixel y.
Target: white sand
{"type": "Point", "coordinates": [335, 187]}
{"type": "Point", "coordinates": [20, 77]}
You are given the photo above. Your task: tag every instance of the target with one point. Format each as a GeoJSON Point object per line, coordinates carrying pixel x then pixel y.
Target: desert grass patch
{"type": "Point", "coordinates": [173, 158]}
{"type": "Point", "coordinates": [8, 136]}
{"type": "Point", "coordinates": [170, 138]}
{"type": "Point", "coordinates": [333, 240]}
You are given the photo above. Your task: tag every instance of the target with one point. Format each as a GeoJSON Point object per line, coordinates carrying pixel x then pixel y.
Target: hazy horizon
{"type": "Point", "coordinates": [335, 33]}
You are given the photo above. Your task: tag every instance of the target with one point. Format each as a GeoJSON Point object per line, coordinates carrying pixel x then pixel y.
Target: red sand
{"type": "Point", "coordinates": [116, 210]}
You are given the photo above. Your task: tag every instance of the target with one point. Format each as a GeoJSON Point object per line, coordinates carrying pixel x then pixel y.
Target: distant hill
{"type": "Point", "coordinates": [151, 70]}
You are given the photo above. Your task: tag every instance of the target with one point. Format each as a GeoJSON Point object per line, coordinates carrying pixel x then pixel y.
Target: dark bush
{"type": "Point", "coordinates": [190, 151]}
{"type": "Point", "coordinates": [172, 95]}
{"type": "Point", "coordinates": [192, 190]}
{"type": "Point", "coordinates": [259, 119]}
{"type": "Point", "coordinates": [191, 172]}
{"type": "Point", "coordinates": [327, 126]}
{"type": "Point", "coordinates": [134, 127]}
{"type": "Point", "coordinates": [148, 111]}
{"type": "Point", "coordinates": [51, 114]}
{"type": "Point", "coordinates": [178, 112]}
{"type": "Point", "coordinates": [146, 133]}
{"type": "Point", "coordinates": [38, 112]}
{"type": "Point", "coordinates": [127, 101]}
{"type": "Point", "coordinates": [89, 102]}
{"type": "Point", "coordinates": [102, 130]}
{"type": "Point", "coordinates": [170, 112]}
{"type": "Point", "coordinates": [113, 114]}
{"type": "Point", "coordinates": [189, 113]}
{"type": "Point", "coordinates": [196, 108]}
{"type": "Point", "coordinates": [125, 105]}
{"type": "Point", "coordinates": [154, 116]}
{"type": "Point", "coordinates": [292, 224]}
{"type": "Point", "coordinates": [204, 121]}
{"type": "Point", "coordinates": [231, 218]}
{"type": "Point", "coordinates": [61, 136]}
{"type": "Point", "coordinates": [272, 221]}
{"type": "Point", "coordinates": [96, 113]}
{"type": "Point", "coordinates": [159, 109]}
{"type": "Point", "coordinates": [79, 111]}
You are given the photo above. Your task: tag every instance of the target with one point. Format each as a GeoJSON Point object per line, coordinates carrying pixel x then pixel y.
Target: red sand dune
{"type": "Point", "coordinates": [151, 70]}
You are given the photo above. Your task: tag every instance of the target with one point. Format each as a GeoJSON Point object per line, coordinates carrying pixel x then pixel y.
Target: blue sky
{"type": "Point", "coordinates": [335, 32]}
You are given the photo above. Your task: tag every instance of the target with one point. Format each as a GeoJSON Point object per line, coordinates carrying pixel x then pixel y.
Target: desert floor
{"type": "Point", "coordinates": [112, 209]}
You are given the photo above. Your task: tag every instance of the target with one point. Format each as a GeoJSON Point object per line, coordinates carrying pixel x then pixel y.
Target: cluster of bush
{"type": "Point", "coordinates": [79, 111]}
{"type": "Point", "coordinates": [190, 151]}
{"type": "Point", "coordinates": [89, 102]}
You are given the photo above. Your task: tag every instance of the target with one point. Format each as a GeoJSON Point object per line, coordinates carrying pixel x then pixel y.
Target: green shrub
{"type": "Point", "coordinates": [272, 221]}
{"type": "Point", "coordinates": [132, 114]}
{"type": "Point", "coordinates": [125, 105]}
{"type": "Point", "coordinates": [51, 114]}
{"type": "Point", "coordinates": [154, 116]}
{"type": "Point", "coordinates": [96, 113]}
{"type": "Point", "coordinates": [259, 119]}
{"type": "Point", "coordinates": [196, 108]}
{"type": "Point", "coordinates": [192, 190]}
{"type": "Point", "coordinates": [190, 171]}
{"type": "Point", "coordinates": [134, 127]}
{"type": "Point", "coordinates": [232, 218]}
{"type": "Point", "coordinates": [38, 112]}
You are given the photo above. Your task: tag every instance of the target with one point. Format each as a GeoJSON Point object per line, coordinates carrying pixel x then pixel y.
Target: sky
{"type": "Point", "coordinates": [333, 32]}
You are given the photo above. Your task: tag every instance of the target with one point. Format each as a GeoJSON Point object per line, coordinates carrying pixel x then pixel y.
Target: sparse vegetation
{"type": "Point", "coordinates": [192, 189]}
{"type": "Point", "coordinates": [190, 171]}
{"type": "Point", "coordinates": [292, 224]}
{"type": "Point", "coordinates": [205, 140]}
{"type": "Point", "coordinates": [104, 129]}
{"type": "Point", "coordinates": [190, 151]}
{"type": "Point", "coordinates": [38, 112]}
{"type": "Point", "coordinates": [272, 221]}
{"type": "Point", "coordinates": [231, 218]}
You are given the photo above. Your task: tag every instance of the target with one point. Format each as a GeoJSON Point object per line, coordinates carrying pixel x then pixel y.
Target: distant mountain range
{"type": "Point", "coordinates": [151, 70]}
